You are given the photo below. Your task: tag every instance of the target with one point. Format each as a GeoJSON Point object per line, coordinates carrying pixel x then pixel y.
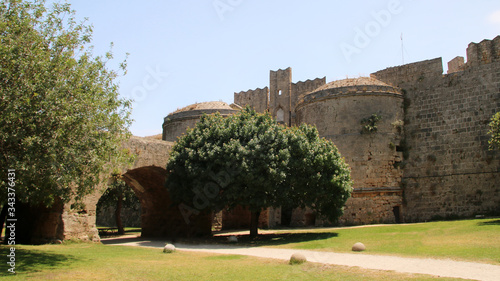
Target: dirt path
{"type": "Point", "coordinates": [436, 267]}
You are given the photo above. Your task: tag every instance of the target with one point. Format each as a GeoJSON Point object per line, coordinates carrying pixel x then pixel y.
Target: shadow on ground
{"type": "Point", "coordinates": [29, 261]}
{"type": "Point", "coordinates": [494, 222]}
{"type": "Point", "coordinates": [243, 239]}
{"type": "Point", "coordinates": [281, 238]}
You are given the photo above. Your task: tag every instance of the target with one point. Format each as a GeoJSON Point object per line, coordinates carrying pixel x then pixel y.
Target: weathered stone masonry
{"type": "Point", "coordinates": [449, 169]}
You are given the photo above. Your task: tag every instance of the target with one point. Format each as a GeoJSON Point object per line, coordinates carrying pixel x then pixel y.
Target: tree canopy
{"type": "Point", "coordinates": [62, 120]}
{"type": "Point", "coordinates": [248, 159]}
{"type": "Point", "coordinates": [118, 195]}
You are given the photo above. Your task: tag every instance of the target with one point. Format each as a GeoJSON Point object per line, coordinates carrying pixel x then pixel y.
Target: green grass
{"type": "Point", "coordinates": [74, 261]}
{"type": "Point", "coordinates": [473, 240]}
{"type": "Point", "coordinates": [114, 232]}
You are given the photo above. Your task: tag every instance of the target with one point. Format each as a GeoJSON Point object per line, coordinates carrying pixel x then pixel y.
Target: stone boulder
{"type": "Point", "coordinates": [232, 239]}
{"type": "Point", "coordinates": [358, 247]}
{"type": "Point", "coordinates": [169, 248]}
{"type": "Point", "coordinates": [297, 259]}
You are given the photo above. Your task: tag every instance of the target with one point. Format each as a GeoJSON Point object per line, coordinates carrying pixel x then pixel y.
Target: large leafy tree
{"type": "Point", "coordinates": [248, 159]}
{"type": "Point", "coordinates": [63, 122]}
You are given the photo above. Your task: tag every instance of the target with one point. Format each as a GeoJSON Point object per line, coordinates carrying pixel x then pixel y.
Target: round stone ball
{"type": "Point", "coordinates": [358, 247]}
{"type": "Point", "coordinates": [169, 248]}
{"type": "Point", "coordinates": [297, 259]}
{"type": "Point", "coordinates": [232, 239]}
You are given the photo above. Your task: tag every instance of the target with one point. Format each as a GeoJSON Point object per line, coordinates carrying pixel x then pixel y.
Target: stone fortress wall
{"type": "Point", "coordinates": [429, 156]}
{"type": "Point", "coordinates": [449, 170]}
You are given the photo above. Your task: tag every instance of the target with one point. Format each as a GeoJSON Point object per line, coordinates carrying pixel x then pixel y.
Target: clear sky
{"type": "Point", "coordinates": [187, 51]}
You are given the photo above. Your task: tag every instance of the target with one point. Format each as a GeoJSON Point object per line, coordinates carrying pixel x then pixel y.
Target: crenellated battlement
{"type": "Point", "coordinates": [258, 98]}
{"type": "Point", "coordinates": [486, 51]}
{"type": "Point", "coordinates": [303, 87]}
{"type": "Point", "coordinates": [456, 65]}
{"type": "Point", "coordinates": [252, 92]}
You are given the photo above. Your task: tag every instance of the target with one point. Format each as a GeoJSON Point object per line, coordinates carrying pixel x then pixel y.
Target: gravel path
{"type": "Point", "coordinates": [436, 267]}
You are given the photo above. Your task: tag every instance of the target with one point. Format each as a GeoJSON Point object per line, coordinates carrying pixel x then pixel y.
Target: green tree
{"type": "Point", "coordinates": [62, 123]}
{"type": "Point", "coordinates": [248, 159]}
{"type": "Point", "coordinates": [318, 175]}
{"type": "Point", "coordinates": [118, 195]}
{"type": "Point", "coordinates": [494, 131]}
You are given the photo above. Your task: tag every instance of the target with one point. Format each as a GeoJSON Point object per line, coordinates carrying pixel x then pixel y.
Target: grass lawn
{"type": "Point", "coordinates": [472, 240]}
{"type": "Point", "coordinates": [105, 231]}
{"type": "Point", "coordinates": [102, 262]}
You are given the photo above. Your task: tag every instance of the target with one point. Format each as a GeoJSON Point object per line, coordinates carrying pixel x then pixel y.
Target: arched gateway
{"type": "Point", "coordinates": [146, 177]}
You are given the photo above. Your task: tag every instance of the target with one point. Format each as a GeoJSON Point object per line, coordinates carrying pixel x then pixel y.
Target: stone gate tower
{"type": "Point", "coordinates": [280, 102]}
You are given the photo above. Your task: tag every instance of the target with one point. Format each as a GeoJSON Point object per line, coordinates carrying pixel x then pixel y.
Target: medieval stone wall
{"type": "Point", "coordinates": [280, 95]}
{"type": "Point", "coordinates": [258, 99]}
{"type": "Point", "coordinates": [373, 206]}
{"type": "Point", "coordinates": [449, 170]}
{"type": "Point", "coordinates": [373, 157]}
{"type": "Point", "coordinates": [487, 51]}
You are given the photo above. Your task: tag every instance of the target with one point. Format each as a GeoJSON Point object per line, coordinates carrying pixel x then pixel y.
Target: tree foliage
{"type": "Point", "coordinates": [494, 131]}
{"type": "Point", "coordinates": [118, 195]}
{"type": "Point", "coordinates": [248, 159]}
{"type": "Point", "coordinates": [62, 120]}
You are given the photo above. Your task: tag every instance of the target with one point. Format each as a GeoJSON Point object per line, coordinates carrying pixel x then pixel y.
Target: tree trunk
{"type": "Point", "coordinates": [3, 216]}
{"type": "Point", "coordinates": [118, 217]}
{"type": "Point", "coordinates": [254, 224]}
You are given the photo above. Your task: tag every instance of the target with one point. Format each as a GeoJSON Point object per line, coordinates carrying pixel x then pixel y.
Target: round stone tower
{"type": "Point", "coordinates": [176, 123]}
{"type": "Point", "coordinates": [364, 118]}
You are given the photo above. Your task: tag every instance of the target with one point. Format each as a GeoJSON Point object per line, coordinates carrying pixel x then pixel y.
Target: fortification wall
{"type": "Point", "coordinates": [448, 169]}
{"type": "Point", "coordinates": [373, 206]}
{"type": "Point", "coordinates": [338, 114]}
{"type": "Point", "coordinates": [411, 73]}
{"type": "Point", "coordinates": [371, 156]}
{"type": "Point", "coordinates": [487, 51]}
{"type": "Point", "coordinates": [258, 99]}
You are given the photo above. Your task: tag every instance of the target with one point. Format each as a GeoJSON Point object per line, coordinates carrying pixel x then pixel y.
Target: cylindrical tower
{"type": "Point", "coordinates": [364, 118]}
{"type": "Point", "coordinates": [176, 123]}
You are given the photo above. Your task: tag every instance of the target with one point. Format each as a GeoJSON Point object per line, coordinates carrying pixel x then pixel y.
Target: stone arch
{"type": "Point", "coordinates": [146, 176]}
{"type": "Point", "coordinates": [159, 217]}
{"type": "Point", "coordinates": [280, 115]}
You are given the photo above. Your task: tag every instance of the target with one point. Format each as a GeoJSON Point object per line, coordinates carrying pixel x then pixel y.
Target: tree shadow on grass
{"type": "Point", "coordinates": [280, 238]}
{"type": "Point", "coordinates": [494, 222]}
{"type": "Point", "coordinates": [30, 261]}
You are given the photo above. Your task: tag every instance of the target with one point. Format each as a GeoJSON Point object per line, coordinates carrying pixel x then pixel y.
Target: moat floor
{"type": "Point", "coordinates": [435, 267]}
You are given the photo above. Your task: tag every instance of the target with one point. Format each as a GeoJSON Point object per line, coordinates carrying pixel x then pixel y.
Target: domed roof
{"type": "Point", "coordinates": [204, 105]}
{"type": "Point", "coordinates": [349, 87]}
{"type": "Point", "coordinates": [361, 81]}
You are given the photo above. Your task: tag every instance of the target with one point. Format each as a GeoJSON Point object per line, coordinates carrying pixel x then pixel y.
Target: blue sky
{"type": "Point", "coordinates": [187, 51]}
